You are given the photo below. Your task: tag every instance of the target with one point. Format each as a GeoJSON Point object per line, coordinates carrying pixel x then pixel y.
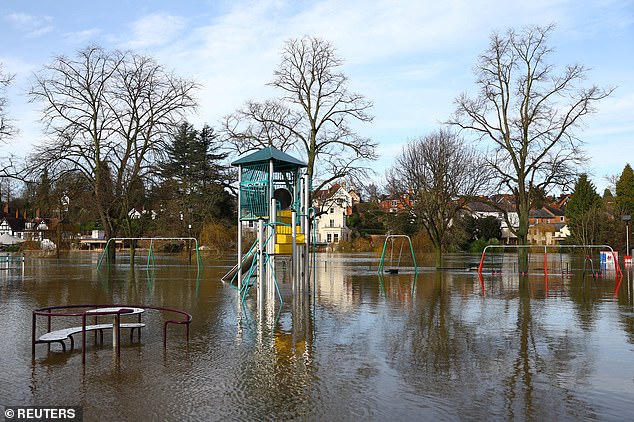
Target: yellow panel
{"type": "Point", "coordinates": [285, 249]}
{"type": "Point", "coordinates": [287, 239]}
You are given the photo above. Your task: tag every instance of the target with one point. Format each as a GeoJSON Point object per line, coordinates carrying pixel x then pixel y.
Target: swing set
{"type": "Point", "coordinates": [150, 256]}
{"type": "Point", "coordinates": [391, 268]}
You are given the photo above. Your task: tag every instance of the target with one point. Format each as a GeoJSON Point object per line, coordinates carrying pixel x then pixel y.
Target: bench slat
{"type": "Point", "coordinates": [64, 333]}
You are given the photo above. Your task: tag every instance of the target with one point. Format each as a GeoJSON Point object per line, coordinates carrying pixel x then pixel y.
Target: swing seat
{"type": "Point", "coordinates": [392, 271]}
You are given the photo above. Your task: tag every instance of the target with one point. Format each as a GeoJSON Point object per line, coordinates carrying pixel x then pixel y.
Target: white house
{"type": "Point", "coordinates": [135, 214]}
{"type": "Point", "coordinates": [483, 210]}
{"type": "Point", "coordinates": [334, 205]}
{"type": "Point", "coordinates": [12, 226]}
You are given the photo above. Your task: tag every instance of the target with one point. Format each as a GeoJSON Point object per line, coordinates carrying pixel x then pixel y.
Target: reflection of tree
{"type": "Point", "coordinates": [586, 294]}
{"type": "Point", "coordinates": [496, 357]}
{"type": "Point", "coordinates": [625, 297]}
{"type": "Point", "coordinates": [521, 377]}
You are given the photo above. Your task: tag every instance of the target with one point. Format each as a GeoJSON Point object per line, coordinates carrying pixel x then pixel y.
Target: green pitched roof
{"type": "Point", "coordinates": [280, 159]}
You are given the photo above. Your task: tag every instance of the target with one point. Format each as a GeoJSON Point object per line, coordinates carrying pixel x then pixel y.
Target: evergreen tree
{"type": "Point", "coordinates": [195, 181]}
{"type": "Point", "coordinates": [625, 191]}
{"type": "Point", "coordinates": [488, 228]}
{"type": "Point", "coordinates": [582, 212]}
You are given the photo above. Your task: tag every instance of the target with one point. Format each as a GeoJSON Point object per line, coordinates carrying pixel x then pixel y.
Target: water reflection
{"type": "Point", "coordinates": [442, 345]}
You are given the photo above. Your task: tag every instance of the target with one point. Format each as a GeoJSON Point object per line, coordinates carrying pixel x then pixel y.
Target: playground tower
{"type": "Point", "coordinates": [274, 194]}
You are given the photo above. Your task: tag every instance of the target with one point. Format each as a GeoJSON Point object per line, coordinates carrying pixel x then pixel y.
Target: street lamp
{"type": "Point", "coordinates": [627, 219]}
{"type": "Point", "coordinates": [189, 232]}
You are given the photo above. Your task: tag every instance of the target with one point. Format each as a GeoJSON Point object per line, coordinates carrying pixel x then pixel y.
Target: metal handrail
{"type": "Point", "coordinates": [125, 309]}
{"type": "Point", "coordinates": [545, 247]}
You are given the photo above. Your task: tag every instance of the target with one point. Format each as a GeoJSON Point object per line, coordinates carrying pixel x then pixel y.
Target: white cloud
{"type": "Point", "coordinates": [154, 30]}
{"type": "Point", "coordinates": [411, 58]}
{"type": "Point", "coordinates": [82, 37]}
{"type": "Point", "coordinates": [32, 26]}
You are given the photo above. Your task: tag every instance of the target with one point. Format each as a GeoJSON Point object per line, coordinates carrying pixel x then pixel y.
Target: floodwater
{"type": "Point", "coordinates": [433, 346]}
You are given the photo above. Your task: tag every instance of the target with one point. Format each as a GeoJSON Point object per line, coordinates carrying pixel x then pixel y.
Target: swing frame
{"type": "Point", "coordinates": [392, 269]}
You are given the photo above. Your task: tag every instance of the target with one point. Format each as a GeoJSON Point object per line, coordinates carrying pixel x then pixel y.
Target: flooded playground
{"type": "Point", "coordinates": [437, 345]}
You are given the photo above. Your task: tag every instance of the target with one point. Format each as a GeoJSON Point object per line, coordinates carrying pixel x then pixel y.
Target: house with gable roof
{"type": "Point", "coordinates": [334, 205]}
{"type": "Point", "coordinates": [12, 226]}
{"type": "Point", "coordinates": [483, 209]}
{"type": "Point", "coordinates": [548, 225]}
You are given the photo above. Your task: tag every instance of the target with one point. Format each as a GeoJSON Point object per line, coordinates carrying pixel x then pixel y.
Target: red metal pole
{"type": "Point", "coordinates": [33, 324]}
{"type": "Point", "coordinates": [481, 264]}
{"type": "Point", "coordinates": [616, 261]}
{"type": "Point", "coordinates": [83, 338]}
{"type": "Point", "coordinates": [48, 328]}
{"type": "Point", "coordinates": [481, 283]}
{"type": "Point", "coordinates": [618, 285]}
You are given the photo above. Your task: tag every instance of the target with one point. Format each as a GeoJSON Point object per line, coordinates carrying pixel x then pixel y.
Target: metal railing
{"type": "Point", "coordinates": [88, 310]}
{"type": "Point", "coordinates": [545, 252]}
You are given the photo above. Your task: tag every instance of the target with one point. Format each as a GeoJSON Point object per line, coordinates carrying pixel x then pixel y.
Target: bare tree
{"type": "Point", "coordinates": [312, 116]}
{"type": "Point", "coordinates": [6, 128]}
{"type": "Point", "coordinates": [439, 174]}
{"type": "Point", "coordinates": [106, 114]}
{"type": "Point", "coordinates": [527, 112]}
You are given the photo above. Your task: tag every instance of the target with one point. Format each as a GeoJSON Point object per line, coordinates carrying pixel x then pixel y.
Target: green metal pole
{"type": "Point", "coordinates": [413, 255]}
{"type": "Point", "coordinates": [105, 253]}
{"type": "Point", "coordinates": [381, 262]}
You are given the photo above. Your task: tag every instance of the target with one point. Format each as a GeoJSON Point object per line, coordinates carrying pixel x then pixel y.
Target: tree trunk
{"type": "Point", "coordinates": [522, 237]}
{"type": "Point", "coordinates": [112, 247]}
{"type": "Point", "coordinates": [438, 256]}
{"type": "Point", "coordinates": [132, 253]}
{"type": "Point", "coordinates": [58, 239]}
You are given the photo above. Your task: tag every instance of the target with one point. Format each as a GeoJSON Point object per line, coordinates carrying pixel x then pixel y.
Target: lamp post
{"type": "Point", "coordinates": [627, 219]}
{"type": "Point", "coordinates": [189, 232]}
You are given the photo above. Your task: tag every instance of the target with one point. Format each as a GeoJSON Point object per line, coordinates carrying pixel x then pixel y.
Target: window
{"type": "Point", "coordinates": [332, 210]}
{"type": "Point", "coordinates": [329, 238]}
{"type": "Point", "coordinates": [336, 238]}
{"type": "Point", "coordinates": [332, 223]}
{"type": "Point", "coordinates": [394, 203]}
{"type": "Point", "coordinates": [561, 218]}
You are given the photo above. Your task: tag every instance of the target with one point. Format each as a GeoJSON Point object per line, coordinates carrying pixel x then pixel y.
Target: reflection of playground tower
{"type": "Point", "coordinates": [274, 192]}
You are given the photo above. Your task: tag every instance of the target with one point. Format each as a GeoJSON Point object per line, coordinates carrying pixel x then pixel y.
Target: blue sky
{"type": "Point", "coordinates": [410, 58]}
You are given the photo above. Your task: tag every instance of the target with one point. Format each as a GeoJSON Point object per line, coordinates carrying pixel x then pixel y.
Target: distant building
{"type": "Point", "coordinates": [36, 229]}
{"type": "Point", "coordinates": [395, 203]}
{"type": "Point", "coordinates": [483, 209]}
{"type": "Point", "coordinates": [334, 205]}
{"type": "Point", "coordinates": [135, 214]}
{"type": "Point", "coordinates": [548, 225]}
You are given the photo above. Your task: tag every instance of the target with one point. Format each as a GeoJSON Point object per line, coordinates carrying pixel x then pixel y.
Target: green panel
{"type": "Point", "coordinates": [254, 200]}
{"type": "Point", "coordinates": [254, 192]}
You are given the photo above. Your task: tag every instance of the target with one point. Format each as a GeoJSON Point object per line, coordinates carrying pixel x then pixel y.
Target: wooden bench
{"type": "Point", "coordinates": [58, 336]}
